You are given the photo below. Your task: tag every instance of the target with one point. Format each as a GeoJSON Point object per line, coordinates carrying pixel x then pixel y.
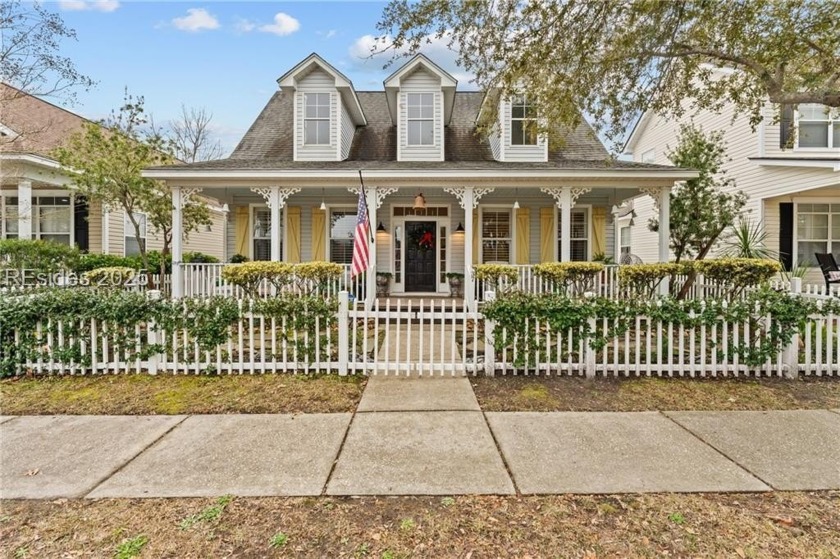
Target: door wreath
{"type": "Point", "coordinates": [424, 239]}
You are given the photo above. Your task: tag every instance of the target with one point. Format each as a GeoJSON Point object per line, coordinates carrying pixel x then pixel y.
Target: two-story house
{"type": "Point", "coordinates": [36, 197]}
{"type": "Point", "coordinates": [789, 167]}
{"type": "Point", "coordinates": [441, 197]}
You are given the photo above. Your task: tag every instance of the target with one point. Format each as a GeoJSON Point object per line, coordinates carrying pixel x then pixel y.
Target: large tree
{"type": "Point", "coordinates": [107, 160]}
{"type": "Point", "coordinates": [30, 58]}
{"type": "Point", "coordinates": [614, 59]}
{"type": "Point", "coordinates": [191, 136]}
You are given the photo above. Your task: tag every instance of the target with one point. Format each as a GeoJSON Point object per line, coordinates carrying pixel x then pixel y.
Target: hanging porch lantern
{"type": "Point", "coordinates": [419, 202]}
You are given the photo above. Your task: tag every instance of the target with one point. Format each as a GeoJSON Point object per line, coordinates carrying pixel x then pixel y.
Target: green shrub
{"type": "Point", "coordinates": [571, 278]}
{"type": "Point", "coordinates": [43, 256]}
{"type": "Point", "coordinates": [496, 276]}
{"type": "Point", "coordinates": [642, 280]}
{"type": "Point", "coordinates": [199, 258]}
{"type": "Point", "coordinates": [238, 259]}
{"type": "Point", "coordinates": [737, 274]}
{"type": "Point", "coordinates": [249, 275]}
{"type": "Point", "coordinates": [115, 277]}
{"type": "Point", "coordinates": [88, 262]}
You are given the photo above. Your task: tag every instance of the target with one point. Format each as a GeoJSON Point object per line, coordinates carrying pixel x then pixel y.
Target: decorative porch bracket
{"type": "Point", "coordinates": [459, 193]}
{"type": "Point", "coordinates": [557, 194]}
{"type": "Point", "coordinates": [282, 194]}
{"type": "Point", "coordinates": [381, 193]}
{"type": "Point", "coordinates": [654, 192]}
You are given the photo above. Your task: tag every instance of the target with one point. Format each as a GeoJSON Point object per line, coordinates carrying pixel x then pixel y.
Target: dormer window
{"type": "Point", "coordinates": [818, 127]}
{"type": "Point", "coordinates": [421, 127]}
{"type": "Point", "coordinates": [523, 122]}
{"type": "Point", "coordinates": [316, 121]}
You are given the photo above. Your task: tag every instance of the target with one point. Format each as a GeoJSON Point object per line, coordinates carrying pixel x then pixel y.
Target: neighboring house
{"type": "Point", "coordinates": [37, 201]}
{"type": "Point", "coordinates": [511, 197]}
{"type": "Point", "coordinates": [790, 170]}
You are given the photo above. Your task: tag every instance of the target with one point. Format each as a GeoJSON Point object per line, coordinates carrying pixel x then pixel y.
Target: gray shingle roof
{"type": "Point", "coordinates": [268, 143]}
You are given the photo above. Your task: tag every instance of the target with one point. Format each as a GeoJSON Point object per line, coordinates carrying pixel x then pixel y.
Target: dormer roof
{"type": "Point", "coordinates": [342, 84]}
{"type": "Point", "coordinates": [448, 84]}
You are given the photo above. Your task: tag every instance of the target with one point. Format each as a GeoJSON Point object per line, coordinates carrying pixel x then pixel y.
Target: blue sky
{"type": "Point", "coordinates": [224, 56]}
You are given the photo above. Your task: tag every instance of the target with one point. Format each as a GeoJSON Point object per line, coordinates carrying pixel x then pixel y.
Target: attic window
{"type": "Point", "coordinates": [523, 122]}
{"type": "Point", "coordinates": [316, 120]}
{"type": "Point", "coordinates": [421, 129]}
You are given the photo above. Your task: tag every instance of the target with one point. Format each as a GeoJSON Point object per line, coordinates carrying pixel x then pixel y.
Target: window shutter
{"type": "Point", "coordinates": [547, 235]}
{"type": "Point", "coordinates": [786, 235]}
{"type": "Point", "coordinates": [599, 230]}
{"type": "Point", "coordinates": [81, 229]}
{"type": "Point", "coordinates": [523, 236]}
{"type": "Point", "coordinates": [293, 234]}
{"type": "Point", "coordinates": [785, 126]}
{"type": "Point", "coordinates": [319, 224]}
{"type": "Point", "coordinates": [240, 226]}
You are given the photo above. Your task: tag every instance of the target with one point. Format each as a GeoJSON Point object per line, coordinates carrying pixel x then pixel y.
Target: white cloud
{"type": "Point", "coordinates": [197, 19]}
{"type": "Point", "coordinates": [94, 5]}
{"type": "Point", "coordinates": [328, 34]}
{"type": "Point", "coordinates": [245, 26]}
{"type": "Point", "coordinates": [284, 24]}
{"type": "Point", "coordinates": [371, 54]}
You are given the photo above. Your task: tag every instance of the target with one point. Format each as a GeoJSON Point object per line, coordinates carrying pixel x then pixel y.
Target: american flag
{"type": "Point", "coordinates": [361, 247]}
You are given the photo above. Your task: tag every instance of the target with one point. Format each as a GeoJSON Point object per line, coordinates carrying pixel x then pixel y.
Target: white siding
{"type": "Point", "coordinates": [348, 130]}
{"type": "Point", "coordinates": [495, 141]}
{"type": "Point", "coordinates": [510, 152]}
{"type": "Point", "coordinates": [420, 81]}
{"type": "Point", "coordinates": [759, 182]}
{"type": "Point", "coordinates": [316, 81]}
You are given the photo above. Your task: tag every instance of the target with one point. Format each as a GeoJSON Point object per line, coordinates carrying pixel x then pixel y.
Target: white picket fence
{"type": "Point", "coordinates": [437, 337]}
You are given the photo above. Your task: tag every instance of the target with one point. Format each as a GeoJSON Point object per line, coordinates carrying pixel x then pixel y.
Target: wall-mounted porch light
{"type": "Point", "coordinates": [460, 228]}
{"type": "Point", "coordinates": [381, 228]}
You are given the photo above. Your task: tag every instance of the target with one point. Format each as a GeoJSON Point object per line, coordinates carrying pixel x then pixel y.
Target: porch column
{"type": "Point", "coordinates": [370, 277]}
{"type": "Point", "coordinates": [469, 281]}
{"type": "Point", "coordinates": [664, 233]}
{"type": "Point", "coordinates": [177, 243]}
{"type": "Point", "coordinates": [25, 209]}
{"type": "Point", "coordinates": [565, 203]}
{"type": "Point", "coordinates": [276, 227]}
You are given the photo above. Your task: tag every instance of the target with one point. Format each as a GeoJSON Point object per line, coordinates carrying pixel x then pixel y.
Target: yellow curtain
{"type": "Point", "coordinates": [548, 235]}
{"type": "Point", "coordinates": [319, 226]}
{"type": "Point", "coordinates": [293, 234]}
{"type": "Point", "coordinates": [523, 236]}
{"type": "Point", "coordinates": [240, 226]}
{"type": "Point", "coordinates": [476, 236]}
{"type": "Point", "coordinates": [599, 230]}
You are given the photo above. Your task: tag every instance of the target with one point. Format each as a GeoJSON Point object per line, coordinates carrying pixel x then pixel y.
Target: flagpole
{"type": "Point", "coordinates": [367, 208]}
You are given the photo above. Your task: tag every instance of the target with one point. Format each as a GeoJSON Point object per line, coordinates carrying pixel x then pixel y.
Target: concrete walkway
{"type": "Point", "coordinates": [417, 436]}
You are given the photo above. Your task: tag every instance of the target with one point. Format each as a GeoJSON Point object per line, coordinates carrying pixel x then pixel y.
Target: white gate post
{"type": "Point", "coordinates": [588, 352]}
{"type": "Point", "coordinates": [151, 330]}
{"type": "Point", "coordinates": [790, 356]}
{"type": "Point", "coordinates": [343, 332]}
{"type": "Point", "coordinates": [489, 346]}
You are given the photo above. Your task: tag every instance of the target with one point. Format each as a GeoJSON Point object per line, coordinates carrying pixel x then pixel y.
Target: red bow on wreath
{"type": "Point", "coordinates": [427, 241]}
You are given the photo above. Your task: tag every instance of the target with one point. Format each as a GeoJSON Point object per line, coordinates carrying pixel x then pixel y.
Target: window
{"type": "Point", "coordinates": [132, 247]}
{"type": "Point", "coordinates": [54, 218]}
{"type": "Point", "coordinates": [342, 228]}
{"type": "Point", "coordinates": [579, 241]}
{"type": "Point", "coordinates": [817, 230]}
{"type": "Point", "coordinates": [495, 236]}
{"type": "Point", "coordinates": [624, 241]}
{"type": "Point", "coordinates": [818, 127]}
{"type": "Point", "coordinates": [649, 156]}
{"type": "Point", "coordinates": [316, 120]}
{"type": "Point", "coordinates": [420, 112]}
{"type": "Point", "coordinates": [523, 123]}
{"type": "Point", "coordinates": [9, 223]}
{"type": "Point", "coordinates": [261, 233]}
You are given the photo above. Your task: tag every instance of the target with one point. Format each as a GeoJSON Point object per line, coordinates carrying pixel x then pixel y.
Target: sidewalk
{"type": "Point", "coordinates": [417, 436]}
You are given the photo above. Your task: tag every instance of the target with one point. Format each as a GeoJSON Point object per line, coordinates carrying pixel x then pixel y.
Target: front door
{"type": "Point", "coordinates": [420, 261]}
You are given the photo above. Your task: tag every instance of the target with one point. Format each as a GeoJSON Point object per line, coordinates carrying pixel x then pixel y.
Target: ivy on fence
{"type": "Point", "coordinates": [523, 320]}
